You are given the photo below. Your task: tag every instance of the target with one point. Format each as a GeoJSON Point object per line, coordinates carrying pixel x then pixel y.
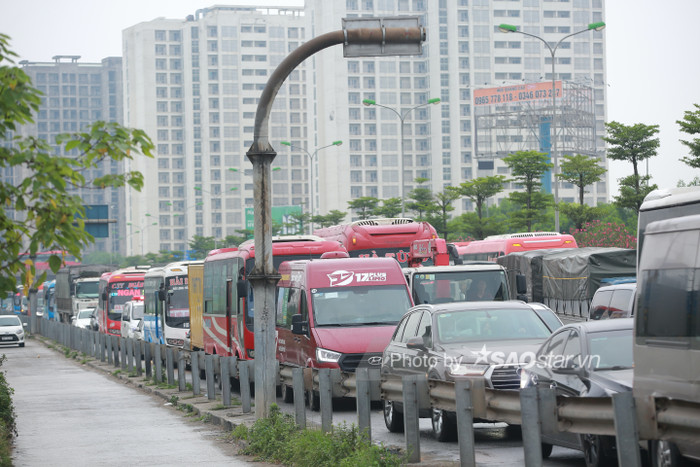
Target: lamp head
{"type": "Point", "coordinates": [285, 143]}
{"type": "Point", "coordinates": [599, 26]}
{"type": "Point", "coordinates": [507, 28]}
{"type": "Point", "coordinates": [337, 143]}
{"type": "Point", "coordinates": [434, 100]}
{"type": "Point", "coordinates": [368, 102]}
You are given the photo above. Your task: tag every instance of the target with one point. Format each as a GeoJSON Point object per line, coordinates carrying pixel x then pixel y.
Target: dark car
{"type": "Point", "coordinates": [585, 359]}
{"type": "Point", "coordinates": [444, 341]}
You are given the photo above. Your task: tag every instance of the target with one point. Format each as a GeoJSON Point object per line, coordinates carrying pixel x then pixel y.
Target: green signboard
{"type": "Point", "coordinates": [281, 215]}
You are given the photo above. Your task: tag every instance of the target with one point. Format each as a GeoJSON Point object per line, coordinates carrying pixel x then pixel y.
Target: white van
{"type": "Point", "coordinates": [132, 316]}
{"type": "Point", "coordinates": [613, 301]}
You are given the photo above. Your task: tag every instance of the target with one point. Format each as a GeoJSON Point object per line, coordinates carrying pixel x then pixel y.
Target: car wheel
{"type": "Point", "coordinates": [546, 450]}
{"type": "Point", "coordinates": [444, 425]}
{"type": "Point", "coordinates": [393, 419]}
{"type": "Point", "coordinates": [596, 450]}
{"type": "Point", "coordinates": [287, 393]}
{"type": "Point", "coordinates": [664, 454]}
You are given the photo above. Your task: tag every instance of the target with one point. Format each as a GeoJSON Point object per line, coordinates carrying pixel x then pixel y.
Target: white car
{"type": "Point", "coordinates": [132, 318]}
{"type": "Point", "coordinates": [11, 330]}
{"type": "Point", "coordinates": [82, 319]}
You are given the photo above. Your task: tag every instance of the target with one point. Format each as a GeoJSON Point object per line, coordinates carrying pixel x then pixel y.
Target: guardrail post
{"type": "Point", "coordinates": [244, 374]}
{"type": "Point", "coordinates": [211, 378]}
{"type": "Point", "coordinates": [110, 354]}
{"type": "Point", "coordinates": [225, 381]}
{"type": "Point", "coordinates": [148, 358]}
{"type": "Point", "coordinates": [299, 395]}
{"type": "Point", "coordinates": [194, 369]}
{"type": "Point", "coordinates": [130, 354]}
{"type": "Point", "coordinates": [626, 432]}
{"type": "Point", "coordinates": [170, 365]}
{"type": "Point", "coordinates": [530, 415]}
{"type": "Point", "coordinates": [122, 350]}
{"type": "Point", "coordinates": [325, 388]}
{"type": "Point", "coordinates": [158, 360]}
{"type": "Point", "coordinates": [181, 371]}
{"type": "Point", "coordinates": [103, 346]}
{"type": "Point", "coordinates": [137, 356]}
{"type": "Point", "coordinates": [465, 422]}
{"type": "Point", "coordinates": [364, 422]}
{"type": "Point", "coordinates": [410, 416]}
{"type": "Point", "coordinates": [115, 349]}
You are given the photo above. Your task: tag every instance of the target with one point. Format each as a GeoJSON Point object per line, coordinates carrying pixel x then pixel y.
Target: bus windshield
{"type": "Point", "coordinates": [359, 306]}
{"type": "Point", "coordinates": [119, 294]}
{"type": "Point", "coordinates": [87, 289]}
{"type": "Point", "coordinates": [178, 309]}
{"type": "Point", "coordinates": [457, 286]}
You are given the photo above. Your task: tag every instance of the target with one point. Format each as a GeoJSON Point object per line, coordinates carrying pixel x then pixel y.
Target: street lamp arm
{"type": "Point", "coordinates": [371, 102]}
{"type": "Point", "coordinates": [431, 101]}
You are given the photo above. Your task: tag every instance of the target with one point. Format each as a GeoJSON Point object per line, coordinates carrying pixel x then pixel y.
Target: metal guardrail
{"type": "Point", "coordinates": [538, 410]}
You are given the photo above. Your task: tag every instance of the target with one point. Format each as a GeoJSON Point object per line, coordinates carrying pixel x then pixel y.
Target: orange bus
{"type": "Point", "coordinates": [115, 289]}
{"type": "Point", "coordinates": [494, 246]}
{"type": "Point", "coordinates": [391, 237]}
{"type": "Point", "coordinates": [228, 313]}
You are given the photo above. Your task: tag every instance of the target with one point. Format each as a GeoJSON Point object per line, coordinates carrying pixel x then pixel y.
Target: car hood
{"type": "Point", "coordinates": [356, 339]}
{"type": "Point", "coordinates": [613, 380]}
{"type": "Point", "coordinates": [494, 352]}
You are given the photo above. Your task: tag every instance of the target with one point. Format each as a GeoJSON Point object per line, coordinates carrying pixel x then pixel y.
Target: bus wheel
{"type": "Point", "coordinates": [287, 393]}
{"type": "Point", "coordinates": [314, 400]}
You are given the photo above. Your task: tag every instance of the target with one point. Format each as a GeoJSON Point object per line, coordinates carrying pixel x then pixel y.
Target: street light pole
{"type": "Point", "coordinates": [552, 51]}
{"type": "Point", "coordinates": [402, 118]}
{"type": "Point", "coordinates": [311, 173]}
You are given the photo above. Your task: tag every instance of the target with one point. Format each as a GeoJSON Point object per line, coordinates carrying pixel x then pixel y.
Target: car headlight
{"type": "Point", "coordinates": [527, 379]}
{"type": "Point", "coordinates": [467, 369]}
{"type": "Point", "coordinates": [327, 356]}
{"type": "Point", "coordinates": [20, 332]}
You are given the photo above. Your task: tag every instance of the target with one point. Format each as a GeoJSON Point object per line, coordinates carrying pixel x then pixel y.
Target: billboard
{"type": "Point", "coordinates": [280, 215]}
{"type": "Point", "coordinates": [516, 93]}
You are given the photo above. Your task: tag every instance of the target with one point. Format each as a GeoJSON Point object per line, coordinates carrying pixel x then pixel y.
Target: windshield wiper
{"type": "Point", "coordinates": [614, 367]}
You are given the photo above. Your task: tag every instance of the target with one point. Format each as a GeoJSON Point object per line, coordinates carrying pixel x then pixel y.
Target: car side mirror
{"type": "Point", "coordinates": [416, 343]}
{"type": "Point", "coordinates": [299, 326]}
{"type": "Point", "coordinates": [570, 368]}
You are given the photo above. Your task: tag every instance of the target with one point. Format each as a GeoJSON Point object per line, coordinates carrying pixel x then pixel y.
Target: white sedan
{"type": "Point", "coordinates": [11, 330]}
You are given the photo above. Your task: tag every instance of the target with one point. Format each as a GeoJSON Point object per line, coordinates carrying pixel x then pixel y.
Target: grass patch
{"type": "Point", "coordinates": [116, 372]}
{"type": "Point", "coordinates": [279, 439]}
{"type": "Point", "coordinates": [8, 428]}
{"type": "Point", "coordinates": [206, 418]}
{"type": "Point", "coordinates": [174, 400]}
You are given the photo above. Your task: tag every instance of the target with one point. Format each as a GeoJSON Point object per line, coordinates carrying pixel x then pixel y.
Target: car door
{"type": "Point", "coordinates": [399, 355]}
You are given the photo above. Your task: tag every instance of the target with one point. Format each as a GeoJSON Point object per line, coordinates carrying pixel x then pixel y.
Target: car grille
{"type": "Point", "coordinates": [9, 338]}
{"type": "Point", "coordinates": [350, 362]}
{"type": "Point", "coordinates": [505, 377]}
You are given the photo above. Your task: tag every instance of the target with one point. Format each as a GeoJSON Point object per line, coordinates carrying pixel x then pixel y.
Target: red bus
{"type": "Point", "coordinates": [115, 289]}
{"type": "Point", "coordinates": [227, 316]}
{"type": "Point", "coordinates": [494, 246]}
{"type": "Point", "coordinates": [391, 237]}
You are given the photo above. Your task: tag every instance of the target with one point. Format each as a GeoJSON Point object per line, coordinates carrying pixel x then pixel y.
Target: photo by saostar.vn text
{"type": "Point", "coordinates": [487, 358]}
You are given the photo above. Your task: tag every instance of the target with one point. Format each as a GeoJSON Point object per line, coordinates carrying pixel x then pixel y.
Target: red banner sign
{"type": "Point", "coordinates": [516, 93]}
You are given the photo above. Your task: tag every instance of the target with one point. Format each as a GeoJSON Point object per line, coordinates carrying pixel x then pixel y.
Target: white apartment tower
{"type": "Point", "coordinates": [193, 86]}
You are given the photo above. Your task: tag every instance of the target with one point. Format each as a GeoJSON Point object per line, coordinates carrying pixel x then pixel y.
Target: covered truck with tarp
{"type": "Point", "coordinates": [566, 279]}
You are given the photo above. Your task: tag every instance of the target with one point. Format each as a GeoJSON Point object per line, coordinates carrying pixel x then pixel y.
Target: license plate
{"type": "Point", "coordinates": [7, 338]}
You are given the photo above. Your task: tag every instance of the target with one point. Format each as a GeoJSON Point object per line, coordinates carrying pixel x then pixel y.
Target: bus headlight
{"type": "Point", "coordinates": [327, 356]}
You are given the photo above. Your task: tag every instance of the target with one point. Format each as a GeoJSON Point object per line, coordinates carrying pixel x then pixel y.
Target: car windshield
{"type": "Point", "coordinates": [358, 306]}
{"type": "Point", "coordinates": [491, 324]}
{"type": "Point", "coordinates": [10, 321]}
{"type": "Point", "coordinates": [85, 314]}
{"type": "Point", "coordinates": [87, 289]}
{"type": "Point", "coordinates": [611, 350]}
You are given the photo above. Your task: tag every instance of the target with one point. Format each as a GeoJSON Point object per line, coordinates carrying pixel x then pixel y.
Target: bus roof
{"type": "Point", "coordinates": [666, 197]}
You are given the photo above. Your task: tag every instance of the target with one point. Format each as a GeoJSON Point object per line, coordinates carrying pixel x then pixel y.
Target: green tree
{"type": "Point", "coordinates": [439, 215]}
{"type": "Point", "coordinates": [478, 190]}
{"type": "Point", "coordinates": [364, 206]}
{"type": "Point", "coordinates": [334, 217]}
{"type": "Point", "coordinates": [690, 124]}
{"type": "Point", "coordinates": [42, 211]}
{"type": "Point", "coordinates": [298, 221]}
{"type": "Point", "coordinates": [527, 168]}
{"type": "Point", "coordinates": [201, 246]}
{"type": "Point", "coordinates": [581, 171]}
{"type": "Point", "coordinates": [390, 208]}
{"type": "Point", "coordinates": [423, 200]}
{"type": "Point", "coordinates": [633, 144]}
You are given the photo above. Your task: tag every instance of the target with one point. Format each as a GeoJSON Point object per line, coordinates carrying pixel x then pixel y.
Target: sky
{"type": "Point", "coordinates": [652, 62]}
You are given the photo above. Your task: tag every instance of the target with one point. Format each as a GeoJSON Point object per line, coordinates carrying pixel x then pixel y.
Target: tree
{"type": "Point", "coordinates": [364, 206]}
{"type": "Point", "coordinates": [478, 190]}
{"type": "Point", "coordinates": [581, 171]}
{"type": "Point", "coordinates": [422, 199]}
{"type": "Point", "coordinates": [390, 208]}
{"type": "Point", "coordinates": [633, 144]}
{"type": "Point", "coordinates": [201, 246]}
{"type": "Point", "coordinates": [527, 168]}
{"type": "Point", "coordinates": [334, 217]}
{"type": "Point", "coordinates": [438, 215]}
{"type": "Point", "coordinates": [690, 124]}
{"type": "Point", "coordinates": [297, 221]}
{"type": "Point", "coordinates": [41, 211]}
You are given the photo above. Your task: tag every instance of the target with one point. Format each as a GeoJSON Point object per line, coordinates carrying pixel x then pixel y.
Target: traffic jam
{"type": "Point", "coordinates": [520, 310]}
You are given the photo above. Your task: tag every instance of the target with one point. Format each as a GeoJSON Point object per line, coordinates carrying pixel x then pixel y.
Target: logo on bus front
{"type": "Point", "coordinates": [340, 278]}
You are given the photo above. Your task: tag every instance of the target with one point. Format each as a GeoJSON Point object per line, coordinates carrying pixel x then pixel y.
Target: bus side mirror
{"type": "Point", "coordinates": [243, 288]}
{"type": "Point", "coordinates": [161, 295]}
{"type": "Point", "coordinates": [299, 326]}
{"type": "Point", "coordinates": [104, 295]}
{"type": "Point", "coordinates": [521, 287]}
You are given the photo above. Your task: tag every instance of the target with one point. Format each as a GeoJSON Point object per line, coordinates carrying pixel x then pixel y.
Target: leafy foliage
{"type": "Point", "coordinates": [8, 427]}
{"type": "Point", "coordinates": [690, 124]}
{"type": "Point", "coordinates": [364, 206]}
{"type": "Point", "coordinates": [581, 171]}
{"type": "Point", "coordinates": [527, 168]}
{"type": "Point", "coordinates": [40, 209]}
{"type": "Point", "coordinates": [604, 234]}
{"type": "Point", "coordinates": [333, 217]}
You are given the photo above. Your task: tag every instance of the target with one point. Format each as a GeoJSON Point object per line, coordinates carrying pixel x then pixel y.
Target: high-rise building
{"type": "Point", "coordinates": [75, 95]}
{"type": "Point", "coordinates": [193, 85]}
